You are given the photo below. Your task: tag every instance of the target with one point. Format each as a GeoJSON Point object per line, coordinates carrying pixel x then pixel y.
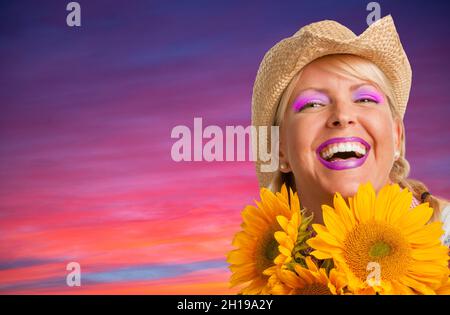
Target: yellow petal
{"type": "Point", "coordinates": [282, 221]}
{"type": "Point", "coordinates": [320, 244]}
{"type": "Point", "coordinates": [365, 202]}
{"type": "Point", "coordinates": [333, 223]}
{"type": "Point", "coordinates": [311, 265]}
{"type": "Point", "coordinates": [291, 279]}
{"type": "Point", "coordinates": [415, 218]}
{"type": "Point", "coordinates": [295, 220]}
{"type": "Point", "coordinates": [427, 234]}
{"type": "Point", "coordinates": [382, 202]}
{"type": "Point", "coordinates": [280, 236]}
{"type": "Point", "coordinates": [295, 202]}
{"type": "Point", "coordinates": [324, 235]}
{"type": "Point", "coordinates": [238, 257]}
{"type": "Point", "coordinates": [420, 287]}
{"type": "Point", "coordinates": [321, 255]}
{"type": "Point", "coordinates": [284, 191]}
{"type": "Point", "coordinates": [242, 239]}
{"type": "Point", "coordinates": [236, 278]}
{"type": "Point", "coordinates": [430, 253]}
{"type": "Point", "coordinates": [444, 289]}
{"type": "Point", "coordinates": [344, 212]}
{"type": "Point", "coordinates": [284, 250]}
{"type": "Point", "coordinates": [399, 207]}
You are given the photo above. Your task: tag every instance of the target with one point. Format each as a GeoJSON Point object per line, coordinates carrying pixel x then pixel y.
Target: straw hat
{"type": "Point", "coordinates": [379, 43]}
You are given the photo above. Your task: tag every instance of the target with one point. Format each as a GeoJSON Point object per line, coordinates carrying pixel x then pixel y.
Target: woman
{"type": "Point", "coordinates": [339, 100]}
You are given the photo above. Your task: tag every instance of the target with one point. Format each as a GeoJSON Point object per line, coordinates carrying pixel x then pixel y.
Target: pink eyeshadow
{"type": "Point", "coordinates": [309, 97]}
{"type": "Point", "coordinates": [370, 94]}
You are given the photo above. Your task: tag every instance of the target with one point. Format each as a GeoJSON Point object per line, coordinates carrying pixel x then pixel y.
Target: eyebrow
{"type": "Point", "coordinates": [357, 86]}
{"type": "Point", "coordinates": [352, 88]}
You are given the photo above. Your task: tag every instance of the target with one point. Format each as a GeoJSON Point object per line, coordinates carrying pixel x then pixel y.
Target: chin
{"type": "Point", "coordinates": [347, 186]}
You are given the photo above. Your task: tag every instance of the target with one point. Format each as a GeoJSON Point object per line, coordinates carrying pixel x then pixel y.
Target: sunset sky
{"type": "Point", "coordinates": [86, 173]}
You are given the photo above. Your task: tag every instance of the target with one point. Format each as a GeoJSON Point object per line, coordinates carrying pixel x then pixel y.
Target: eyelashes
{"type": "Point", "coordinates": [307, 105]}
{"type": "Point", "coordinates": [366, 98]}
{"type": "Point", "coordinates": [310, 101]}
{"type": "Point", "coordinates": [299, 106]}
{"type": "Point", "coordinates": [302, 105]}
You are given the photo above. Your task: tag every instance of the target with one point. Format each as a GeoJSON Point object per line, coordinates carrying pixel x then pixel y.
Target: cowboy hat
{"type": "Point", "coordinates": [379, 43]}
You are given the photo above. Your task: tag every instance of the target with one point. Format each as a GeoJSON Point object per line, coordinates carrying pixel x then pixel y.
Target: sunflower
{"type": "Point", "coordinates": [252, 263]}
{"type": "Point", "coordinates": [309, 281]}
{"type": "Point", "coordinates": [382, 231]}
{"type": "Point", "coordinates": [292, 239]}
{"type": "Point", "coordinates": [445, 289]}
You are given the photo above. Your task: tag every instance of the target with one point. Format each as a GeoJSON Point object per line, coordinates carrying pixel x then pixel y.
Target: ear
{"type": "Point", "coordinates": [398, 133]}
{"type": "Point", "coordinates": [284, 165]}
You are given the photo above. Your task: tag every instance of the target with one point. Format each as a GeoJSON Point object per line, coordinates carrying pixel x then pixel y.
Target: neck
{"type": "Point", "coordinates": [313, 200]}
{"type": "Point", "coordinates": [313, 203]}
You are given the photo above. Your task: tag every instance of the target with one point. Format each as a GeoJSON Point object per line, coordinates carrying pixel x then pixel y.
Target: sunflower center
{"type": "Point", "coordinates": [379, 250]}
{"type": "Point", "coordinates": [271, 249]}
{"type": "Point", "coordinates": [377, 242]}
{"type": "Point", "coordinates": [268, 249]}
{"type": "Point", "coordinates": [314, 289]}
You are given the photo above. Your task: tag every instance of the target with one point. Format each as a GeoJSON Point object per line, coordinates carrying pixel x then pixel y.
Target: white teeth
{"type": "Point", "coordinates": [360, 149]}
{"type": "Point", "coordinates": [343, 147]}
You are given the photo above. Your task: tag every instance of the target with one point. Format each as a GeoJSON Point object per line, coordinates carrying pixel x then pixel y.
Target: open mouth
{"type": "Point", "coordinates": [343, 153]}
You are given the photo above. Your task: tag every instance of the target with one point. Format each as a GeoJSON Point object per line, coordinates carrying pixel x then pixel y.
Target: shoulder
{"type": "Point", "coordinates": [445, 219]}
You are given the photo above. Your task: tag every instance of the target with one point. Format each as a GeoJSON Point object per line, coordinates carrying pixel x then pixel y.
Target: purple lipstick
{"type": "Point", "coordinates": [353, 145]}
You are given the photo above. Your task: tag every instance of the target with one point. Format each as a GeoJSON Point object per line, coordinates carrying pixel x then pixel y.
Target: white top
{"type": "Point", "coordinates": [445, 218]}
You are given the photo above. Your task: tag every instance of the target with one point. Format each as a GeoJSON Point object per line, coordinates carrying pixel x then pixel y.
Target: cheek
{"type": "Point", "coordinates": [301, 133]}
{"type": "Point", "coordinates": [381, 129]}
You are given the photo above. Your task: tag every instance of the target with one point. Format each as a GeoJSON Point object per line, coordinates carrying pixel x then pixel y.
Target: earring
{"type": "Point", "coordinates": [283, 166]}
{"type": "Point", "coordinates": [396, 155]}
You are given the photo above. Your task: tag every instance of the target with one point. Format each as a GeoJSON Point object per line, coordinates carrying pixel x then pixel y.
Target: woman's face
{"type": "Point", "coordinates": [337, 133]}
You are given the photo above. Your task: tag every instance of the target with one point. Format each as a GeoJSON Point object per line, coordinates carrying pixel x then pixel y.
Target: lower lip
{"type": "Point", "coordinates": [343, 164]}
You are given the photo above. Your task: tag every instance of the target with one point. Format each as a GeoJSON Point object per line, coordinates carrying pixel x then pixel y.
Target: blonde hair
{"type": "Point", "coordinates": [354, 66]}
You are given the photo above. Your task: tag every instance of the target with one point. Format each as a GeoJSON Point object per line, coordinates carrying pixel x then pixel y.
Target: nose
{"type": "Point", "coordinates": [342, 116]}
